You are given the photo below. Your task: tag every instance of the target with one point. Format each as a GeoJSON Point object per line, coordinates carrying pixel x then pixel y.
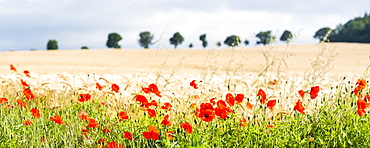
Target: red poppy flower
{"type": "Point", "coordinates": [3, 100]}
{"type": "Point", "coordinates": [122, 116]}
{"type": "Point", "coordinates": [205, 106]}
{"type": "Point", "coordinates": [92, 123]}
{"type": "Point", "coordinates": [114, 144]}
{"type": "Point", "coordinates": [151, 112]}
{"type": "Point", "coordinates": [27, 122]}
{"type": "Point", "coordinates": [83, 115]}
{"type": "Point", "coordinates": [128, 136]}
{"type": "Point", "coordinates": [243, 122]}
{"type": "Point", "coordinates": [105, 130]}
{"type": "Point", "coordinates": [152, 89]}
{"type": "Point", "coordinates": [13, 68]}
{"type": "Point", "coordinates": [271, 104]}
{"type": "Point", "coordinates": [57, 119]}
{"type": "Point", "coordinates": [142, 99]}
{"type": "Point", "coordinates": [167, 106]}
{"type": "Point", "coordinates": [314, 92]}
{"type": "Point", "coordinates": [35, 113]}
{"type": "Point", "coordinates": [43, 139]}
{"type": "Point", "coordinates": [187, 127]}
{"type": "Point", "coordinates": [222, 110]}
{"type": "Point", "coordinates": [153, 103]}
{"type": "Point", "coordinates": [84, 97]}
{"type": "Point", "coordinates": [153, 133]}
{"type": "Point", "coordinates": [207, 115]}
{"type": "Point", "coordinates": [361, 84]}
{"type": "Point", "coordinates": [301, 93]}
{"type": "Point", "coordinates": [367, 98]}
{"type": "Point", "coordinates": [361, 106]}
{"type": "Point", "coordinates": [28, 93]}
{"type": "Point", "coordinates": [21, 103]}
{"type": "Point", "coordinates": [230, 99]}
{"type": "Point", "coordinates": [299, 107]}
{"type": "Point", "coordinates": [193, 105]}
{"type": "Point", "coordinates": [249, 106]}
{"type": "Point", "coordinates": [115, 88]}
{"type": "Point", "coordinates": [262, 96]}
{"type": "Point", "coordinates": [165, 121]}
{"type": "Point", "coordinates": [239, 98]}
{"type": "Point", "coordinates": [98, 86]}
{"type": "Point", "coordinates": [24, 84]}
{"type": "Point", "coordinates": [273, 82]}
{"type": "Point", "coordinates": [213, 101]}
{"type": "Point", "coordinates": [270, 126]}
{"type": "Point", "coordinates": [27, 73]}
{"type": "Point", "coordinates": [192, 84]}
{"type": "Point", "coordinates": [170, 135]}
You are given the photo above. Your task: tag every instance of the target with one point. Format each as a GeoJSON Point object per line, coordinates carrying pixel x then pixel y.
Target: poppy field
{"type": "Point", "coordinates": [159, 110]}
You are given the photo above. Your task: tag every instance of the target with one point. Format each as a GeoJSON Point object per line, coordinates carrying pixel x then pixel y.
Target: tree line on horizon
{"type": "Point", "coordinates": [355, 30]}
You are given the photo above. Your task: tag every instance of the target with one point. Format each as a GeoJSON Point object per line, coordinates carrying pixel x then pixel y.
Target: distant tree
{"type": "Point", "coordinates": [232, 41]}
{"type": "Point", "coordinates": [321, 33]}
{"type": "Point", "coordinates": [204, 41]}
{"type": "Point", "coordinates": [113, 39]}
{"type": "Point", "coordinates": [84, 47]}
{"type": "Point", "coordinates": [286, 36]}
{"type": "Point", "coordinates": [218, 44]}
{"type": "Point", "coordinates": [246, 42]}
{"type": "Point", "coordinates": [190, 45]}
{"type": "Point", "coordinates": [265, 37]}
{"type": "Point", "coordinates": [52, 45]}
{"type": "Point", "coordinates": [176, 39]}
{"type": "Point", "coordinates": [145, 39]}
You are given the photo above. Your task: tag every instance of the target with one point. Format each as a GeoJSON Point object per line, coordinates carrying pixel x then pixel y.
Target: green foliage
{"type": "Point", "coordinates": [176, 39]}
{"type": "Point", "coordinates": [218, 44]}
{"type": "Point", "coordinates": [286, 36]}
{"type": "Point", "coordinates": [191, 45]}
{"type": "Point", "coordinates": [321, 33]}
{"type": "Point", "coordinates": [113, 39]}
{"type": "Point", "coordinates": [84, 47]}
{"type": "Point", "coordinates": [232, 41]}
{"type": "Point", "coordinates": [52, 45]}
{"type": "Point", "coordinates": [355, 30]}
{"type": "Point", "coordinates": [265, 37]}
{"type": "Point", "coordinates": [246, 42]}
{"type": "Point", "coordinates": [145, 39]}
{"type": "Point", "coordinates": [204, 41]}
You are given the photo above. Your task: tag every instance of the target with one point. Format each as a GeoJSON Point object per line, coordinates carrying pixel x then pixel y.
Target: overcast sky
{"type": "Point", "coordinates": [29, 24]}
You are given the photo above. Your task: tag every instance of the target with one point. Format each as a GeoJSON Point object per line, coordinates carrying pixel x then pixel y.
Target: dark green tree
{"type": "Point", "coordinates": [176, 39]}
{"type": "Point", "coordinates": [218, 44]}
{"type": "Point", "coordinates": [246, 42]}
{"type": "Point", "coordinates": [52, 45]}
{"type": "Point", "coordinates": [286, 36]}
{"type": "Point", "coordinates": [265, 37]}
{"type": "Point", "coordinates": [232, 41]}
{"type": "Point", "coordinates": [84, 47]}
{"type": "Point", "coordinates": [113, 39]}
{"type": "Point", "coordinates": [190, 45]}
{"type": "Point", "coordinates": [321, 33]}
{"type": "Point", "coordinates": [145, 39]}
{"type": "Point", "coordinates": [204, 41]}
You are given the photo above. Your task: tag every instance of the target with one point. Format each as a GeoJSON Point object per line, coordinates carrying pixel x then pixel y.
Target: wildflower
{"type": "Point", "coordinates": [92, 123]}
{"type": "Point", "coordinates": [192, 84]}
{"type": "Point", "coordinates": [167, 106]}
{"type": "Point", "coordinates": [239, 98]}
{"type": "Point", "coordinates": [153, 103]}
{"type": "Point", "coordinates": [243, 122]}
{"type": "Point", "coordinates": [273, 82]}
{"type": "Point", "coordinates": [314, 92]}
{"type": "Point", "coordinates": [27, 73]}
{"type": "Point", "coordinates": [105, 130]}
{"type": "Point", "coordinates": [28, 93]}
{"type": "Point", "coordinates": [170, 135]}
{"type": "Point", "coordinates": [27, 122]}
{"type": "Point", "coordinates": [367, 98]}
{"type": "Point", "coordinates": [271, 104]}
{"type": "Point", "coordinates": [153, 133]}
{"type": "Point", "coordinates": [361, 84]}
{"type": "Point", "coordinates": [35, 113]}
{"type": "Point", "coordinates": [83, 115]}
{"type": "Point", "coordinates": [84, 133]}
{"type": "Point", "coordinates": [299, 107]}
{"type": "Point", "coordinates": [213, 101]}
{"type": "Point", "coordinates": [122, 116]}
{"type": "Point", "coordinates": [24, 84]}
{"type": "Point", "coordinates": [3, 100]}
{"type": "Point", "coordinates": [152, 89]}
{"type": "Point", "coordinates": [114, 144]}
{"type": "Point", "coordinates": [230, 99]}
{"type": "Point", "coordinates": [128, 136]}
{"type": "Point", "coordinates": [98, 86]}
{"type": "Point", "coordinates": [13, 68]}
{"type": "Point", "coordinates": [187, 127]}
{"type": "Point", "coordinates": [361, 106]}
{"type": "Point", "coordinates": [151, 112]}
{"type": "Point", "coordinates": [193, 105]}
{"type": "Point", "coordinates": [165, 121]}
{"type": "Point", "coordinates": [262, 96]}
{"type": "Point", "coordinates": [270, 126]}
{"type": "Point", "coordinates": [57, 119]}
{"type": "Point", "coordinates": [115, 88]}
{"type": "Point", "coordinates": [301, 93]}
{"type": "Point", "coordinates": [222, 110]}
{"type": "Point", "coordinates": [206, 115]}
{"type": "Point", "coordinates": [84, 97]}
{"type": "Point", "coordinates": [249, 106]}
{"type": "Point", "coordinates": [21, 103]}
{"type": "Point", "coordinates": [142, 99]}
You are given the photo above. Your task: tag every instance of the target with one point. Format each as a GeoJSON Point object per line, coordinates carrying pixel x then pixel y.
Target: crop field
{"type": "Point", "coordinates": [284, 96]}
